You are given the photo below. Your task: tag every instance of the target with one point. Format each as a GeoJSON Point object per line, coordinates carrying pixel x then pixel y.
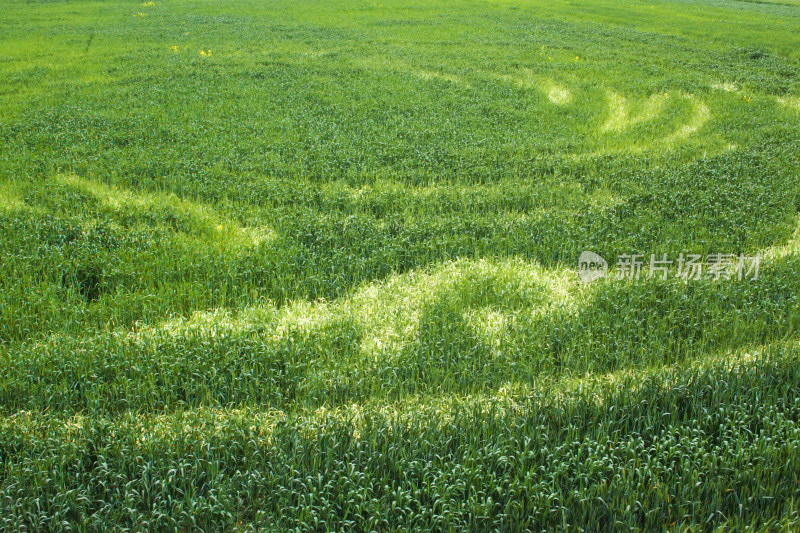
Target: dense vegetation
{"type": "Point", "coordinates": [313, 265]}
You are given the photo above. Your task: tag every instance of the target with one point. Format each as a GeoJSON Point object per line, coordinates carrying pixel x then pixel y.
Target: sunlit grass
{"type": "Point", "coordinates": [188, 217]}
{"type": "Point", "coordinates": [272, 266]}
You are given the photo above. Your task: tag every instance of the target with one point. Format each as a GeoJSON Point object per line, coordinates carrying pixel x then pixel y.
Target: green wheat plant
{"type": "Point", "coordinates": [313, 266]}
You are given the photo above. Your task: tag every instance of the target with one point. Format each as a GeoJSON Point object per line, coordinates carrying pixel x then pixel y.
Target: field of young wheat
{"type": "Point", "coordinates": [314, 266]}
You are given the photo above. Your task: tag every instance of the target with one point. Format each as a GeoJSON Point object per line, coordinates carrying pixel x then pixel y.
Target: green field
{"type": "Point", "coordinates": [313, 266]}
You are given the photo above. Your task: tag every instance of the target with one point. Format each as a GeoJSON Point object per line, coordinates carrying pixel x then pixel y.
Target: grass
{"type": "Point", "coordinates": [273, 266]}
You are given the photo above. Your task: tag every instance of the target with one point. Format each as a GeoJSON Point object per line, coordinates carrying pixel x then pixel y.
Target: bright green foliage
{"type": "Point", "coordinates": [312, 265]}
